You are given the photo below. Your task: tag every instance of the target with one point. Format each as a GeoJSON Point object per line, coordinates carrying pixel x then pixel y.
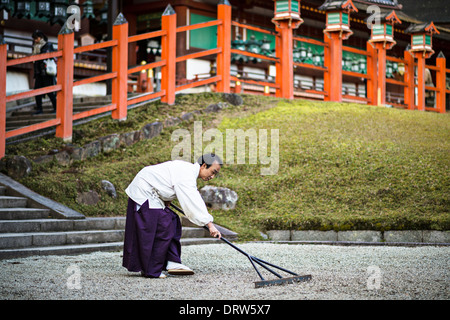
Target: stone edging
{"type": "Point", "coordinates": [57, 210]}
{"type": "Point", "coordinates": [116, 140]}
{"type": "Point", "coordinates": [366, 236]}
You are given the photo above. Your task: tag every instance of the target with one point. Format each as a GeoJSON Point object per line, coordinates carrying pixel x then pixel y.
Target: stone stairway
{"type": "Point", "coordinates": [31, 231]}
{"type": "Point", "coordinates": [22, 117]}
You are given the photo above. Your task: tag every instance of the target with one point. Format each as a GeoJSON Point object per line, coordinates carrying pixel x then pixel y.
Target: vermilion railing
{"type": "Point", "coordinates": [120, 73]}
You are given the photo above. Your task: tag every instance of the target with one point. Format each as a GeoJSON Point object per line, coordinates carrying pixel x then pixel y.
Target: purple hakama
{"type": "Point", "coordinates": [152, 237]}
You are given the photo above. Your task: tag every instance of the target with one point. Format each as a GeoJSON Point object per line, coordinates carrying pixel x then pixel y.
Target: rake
{"type": "Point", "coordinates": [254, 260]}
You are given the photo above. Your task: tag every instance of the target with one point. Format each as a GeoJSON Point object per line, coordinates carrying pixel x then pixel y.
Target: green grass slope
{"type": "Point", "coordinates": [341, 166]}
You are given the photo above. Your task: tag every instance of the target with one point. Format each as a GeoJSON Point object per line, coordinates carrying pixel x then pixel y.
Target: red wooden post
{"type": "Point", "coordinates": [120, 65]}
{"type": "Point", "coordinates": [168, 54]}
{"type": "Point", "coordinates": [409, 96]}
{"type": "Point", "coordinates": [3, 58]}
{"type": "Point", "coordinates": [328, 66]}
{"type": "Point", "coordinates": [64, 97]}
{"type": "Point", "coordinates": [420, 81]}
{"type": "Point", "coordinates": [224, 42]}
{"type": "Point", "coordinates": [278, 78]}
{"type": "Point", "coordinates": [381, 82]}
{"type": "Point", "coordinates": [335, 71]}
{"type": "Point", "coordinates": [372, 81]}
{"type": "Point", "coordinates": [440, 82]}
{"type": "Point", "coordinates": [285, 78]}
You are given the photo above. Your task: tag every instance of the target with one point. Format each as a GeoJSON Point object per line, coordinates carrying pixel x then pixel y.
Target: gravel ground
{"type": "Point", "coordinates": [338, 272]}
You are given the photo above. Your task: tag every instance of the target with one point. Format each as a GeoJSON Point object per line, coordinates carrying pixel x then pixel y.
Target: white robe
{"type": "Point", "coordinates": [167, 181]}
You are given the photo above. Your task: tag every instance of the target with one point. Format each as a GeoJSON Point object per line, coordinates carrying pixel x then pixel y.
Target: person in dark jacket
{"type": "Point", "coordinates": [42, 79]}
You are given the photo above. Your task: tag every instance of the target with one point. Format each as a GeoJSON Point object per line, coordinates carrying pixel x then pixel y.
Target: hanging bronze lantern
{"type": "Point", "coordinates": [5, 5]}
{"type": "Point", "coordinates": [104, 14]}
{"type": "Point", "coordinates": [23, 9]}
{"type": "Point", "coordinates": [88, 10]}
{"type": "Point", "coordinates": [59, 12]}
{"type": "Point", "coordinates": [43, 9]}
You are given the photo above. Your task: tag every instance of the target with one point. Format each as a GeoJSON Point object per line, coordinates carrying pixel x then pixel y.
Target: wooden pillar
{"type": "Point", "coordinates": [372, 80]}
{"type": "Point", "coordinates": [132, 30]}
{"type": "Point", "coordinates": [409, 92]}
{"type": "Point", "coordinates": [3, 59]}
{"type": "Point", "coordinates": [335, 66]}
{"type": "Point", "coordinates": [420, 81]}
{"type": "Point", "coordinates": [285, 78]}
{"type": "Point", "coordinates": [182, 12]}
{"type": "Point", "coordinates": [278, 76]}
{"type": "Point", "coordinates": [120, 65]}
{"type": "Point", "coordinates": [381, 82]}
{"type": "Point", "coordinates": [224, 42]}
{"type": "Point", "coordinates": [441, 82]}
{"type": "Point", "coordinates": [168, 54]}
{"type": "Point", "coordinates": [64, 97]}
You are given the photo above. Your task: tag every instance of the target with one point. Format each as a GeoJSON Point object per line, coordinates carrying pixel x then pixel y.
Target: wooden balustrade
{"type": "Point", "coordinates": [332, 74]}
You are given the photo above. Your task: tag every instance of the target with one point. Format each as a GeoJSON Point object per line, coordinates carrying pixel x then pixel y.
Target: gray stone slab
{"type": "Point", "coordinates": [56, 225]}
{"type": "Point", "coordinates": [120, 222]}
{"type": "Point", "coordinates": [360, 236]}
{"type": "Point", "coordinates": [12, 202]}
{"type": "Point", "coordinates": [49, 239]}
{"type": "Point", "coordinates": [23, 213]}
{"type": "Point", "coordinates": [20, 226]}
{"type": "Point", "coordinates": [403, 236]}
{"type": "Point", "coordinates": [192, 232]}
{"type": "Point", "coordinates": [81, 237]}
{"type": "Point", "coordinates": [95, 224]}
{"type": "Point", "coordinates": [313, 235]}
{"type": "Point", "coordinates": [60, 250]}
{"type": "Point", "coordinates": [431, 236]}
{"type": "Point", "coordinates": [17, 240]}
{"type": "Point", "coordinates": [279, 235]}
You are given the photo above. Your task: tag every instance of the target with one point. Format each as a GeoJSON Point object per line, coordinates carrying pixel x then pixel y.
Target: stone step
{"type": "Point", "coordinates": [12, 202]}
{"type": "Point", "coordinates": [55, 225]}
{"type": "Point", "coordinates": [41, 239]}
{"type": "Point", "coordinates": [46, 225]}
{"type": "Point", "coordinates": [195, 241]}
{"type": "Point", "coordinates": [47, 111]}
{"type": "Point", "coordinates": [60, 250]}
{"type": "Point", "coordinates": [2, 190]}
{"type": "Point", "coordinates": [193, 232]}
{"type": "Point", "coordinates": [23, 213]}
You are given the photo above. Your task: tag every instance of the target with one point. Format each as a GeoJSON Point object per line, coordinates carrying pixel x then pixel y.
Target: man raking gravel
{"type": "Point", "coordinates": [153, 230]}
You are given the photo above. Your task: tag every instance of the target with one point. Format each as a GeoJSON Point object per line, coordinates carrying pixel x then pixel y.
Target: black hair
{"type": "Point", "coordinates": [209, 159]}
{"type": "Point", "coordinates": [39, 34]}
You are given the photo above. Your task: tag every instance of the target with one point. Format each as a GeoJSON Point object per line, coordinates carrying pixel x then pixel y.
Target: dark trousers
{"type": "Point", "coordinates": [152, 237]}
{"type": "Point", "coordinates": [41, 82]}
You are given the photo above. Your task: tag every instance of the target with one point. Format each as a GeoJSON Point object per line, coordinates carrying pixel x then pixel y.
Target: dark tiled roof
{"type": "Point", "coordinates": [427, 10]}
{"type": "Point", "coordinates": [393, 3]}
{"type": "Point", "coordinates": [336, 4]}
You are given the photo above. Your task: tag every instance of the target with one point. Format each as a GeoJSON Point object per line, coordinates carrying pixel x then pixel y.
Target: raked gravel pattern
{"type": "Point", "coordinates": [221, 273]}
